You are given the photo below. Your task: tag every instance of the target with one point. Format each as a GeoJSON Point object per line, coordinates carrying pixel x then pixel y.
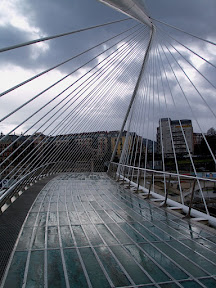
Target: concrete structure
{"type": "Point", "coordinates": [169, 134]}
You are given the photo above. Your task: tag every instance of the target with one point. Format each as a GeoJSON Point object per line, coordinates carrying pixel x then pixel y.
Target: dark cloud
{"type": "Point", "coordinates": [193, 16]}
{"type": "Point", "coordinates": [54, 17]}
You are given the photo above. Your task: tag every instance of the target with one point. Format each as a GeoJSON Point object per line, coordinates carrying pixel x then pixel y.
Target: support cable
{"type": "Point", "coordinates": [57, 82]}
{"type": "Point", "coordinates": [188, 49]}
{"type": "Point", "coordinates": [183, 133]}
{"type": "Point", "coordinates": [135, 91]}
{"type": "Point", "coordinates": [106, 64]}
{"type": "Point", "coordinates": [64, 62]}
{"type": "Point", "coordinates": [160, 129]}
{"type": "Point", "coordinates": [199, 93]}
{"type": "Point", "coordinates": [100, 91]}
{"type": "Point", "coordinates": [170, 129]}
{"type": "Point", "coordinates": [201, 74]}
{"type": "Point", "coordinates": [58, 96]}
{"type": "Point", "coordinates": [210, 150]}
{"type": "Point", "coordinates": [144, 92]}
{"type": "Point", "coordinates": [60, 35]}
{"type": "Point", "coordinates": [148, 116]}
{"type": "Point", "coordinates": [197, 37]}
{"type": "Point", "coordinates": [140, 118]}
{"type": "Point", "coordinates": [153, 122]}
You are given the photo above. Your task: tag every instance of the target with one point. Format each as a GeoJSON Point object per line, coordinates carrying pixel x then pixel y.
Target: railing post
{"type": "Point", "coordinates": [167, 192]}
{"type": "Point", "coordinates": [129, 185]}
{"type": "Point", "coordinates": [119, 172]}
{"type": "Point", "coordinates": [138, 183]}
{"type": "Point", "coordinates": [110, 172]}
{"type": "Point", "coordinates": [123, 174]}
{"type": "Point", "coordinates": [115, 172]}
{"type": "Point", "coordinates": [150, 185]}
{"type": "Point", "coordinates": [191, 200]}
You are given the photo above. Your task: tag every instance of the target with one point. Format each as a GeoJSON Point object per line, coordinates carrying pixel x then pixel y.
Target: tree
{"type": "Point", "coordinates": [211, 132]}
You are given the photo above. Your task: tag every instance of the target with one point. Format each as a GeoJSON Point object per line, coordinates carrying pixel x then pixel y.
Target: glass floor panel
{"type": "Point", "coordinates": [85, 230]}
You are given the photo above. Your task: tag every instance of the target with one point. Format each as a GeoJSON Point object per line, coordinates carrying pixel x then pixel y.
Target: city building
{"type": "Point", "coordinates": [114, 137]}
{"type": "Point", "coordinates": [169, 134]}
{"type": "Point", "coordinates": [88, 150]}
{"type": "Point", "coordinates": [197, 138]}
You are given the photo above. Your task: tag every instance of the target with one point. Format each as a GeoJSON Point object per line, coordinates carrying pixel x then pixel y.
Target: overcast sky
{"type": "Point", "coordinates": [24, 20]}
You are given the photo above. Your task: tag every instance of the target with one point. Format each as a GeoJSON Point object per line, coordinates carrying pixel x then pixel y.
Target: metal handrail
{"type": "Point", "coordinates": [187, 209]}
{"type": "Point", "coordinates": [165, 172]}
{"type": "Point", "coordinates": [11, 189]}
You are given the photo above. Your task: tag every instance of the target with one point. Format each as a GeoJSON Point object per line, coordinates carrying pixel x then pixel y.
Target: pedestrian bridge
{"type": "Point", "coordinates": [101, 182]}
{"type": "Point", "coordinates": [87, 230]}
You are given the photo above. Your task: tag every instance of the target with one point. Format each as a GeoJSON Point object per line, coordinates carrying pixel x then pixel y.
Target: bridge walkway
{"type": "Point", "coordinates": [85, 230]}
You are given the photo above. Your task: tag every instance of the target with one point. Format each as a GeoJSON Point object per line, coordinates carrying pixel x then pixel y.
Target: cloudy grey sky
{"type": "Point", "coordinates": [24, 20]}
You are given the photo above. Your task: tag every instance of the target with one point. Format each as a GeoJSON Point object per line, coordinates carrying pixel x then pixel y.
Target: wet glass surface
{"type": "Point", "coordinates": [25, 239]}
{"type": "Point", "coordinates": [190, 284]}
{"type": "Point", "coordinates": [36, 270]}
{"type": "Point", "coordinates": [121, 236]}
{"type": "Point", "coordinates": [85, 230]}
{"type": "Point", "coordinates": [164, 262]}
{"type": "Point", "coordinates": [132, 233]}
{"type": "Point", "coordinates": [63, 220]}
{"type": "Point", "coordinates": [96, 275]}
{"type": "Point", "coordinates": [39, 238]}
{"type": "Point", "coordinates": [80, 237]}
{"type": "Point", "coordinates": [143, 231]}
{"type": "Point", "coordinates": [94, 217]}
{"type": "Point", "coordinates": [149, 266]}
{"type": "Point", "coordinates": [105, 217]}
{"type": "Point", "coordinates": [169, 285]}
{"type": "Point", "coordinates": [210, 283]}
{"type": "Point", "coordinates": [66, 236]}
{"type": "Point", "coordinates": [93, 235]}
{"type": "Point", "coordinates": [52, 237]}
{"type": "Point", "coordinates": [181, 260]}
{"type": "Point", "coordinates": [31, 219]}
{"type": "Point", "coordinates": [200, 249]}
{"type": "Point", "coordinates": [194, 256]}
{"type": "Point", "coordinates": [54, 269]}
{"type": "Point", "coordinates": [135, 272]}
{"type": "Point", "coordinates": [113, 269]}
{"type": "Point", "coordinates": [42, 219]}
{"type": "Point", "coordinates": [16, 272]}
{"type": "Point", "coordinates": [75, 272]}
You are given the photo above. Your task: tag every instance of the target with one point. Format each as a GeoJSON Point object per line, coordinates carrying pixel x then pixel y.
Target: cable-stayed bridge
{"type": "Point", "coordinates": [107, 169]}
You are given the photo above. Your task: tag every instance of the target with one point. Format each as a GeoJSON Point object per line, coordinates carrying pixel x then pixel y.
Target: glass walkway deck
{"type": "Point", "coordinates": [85, 230]}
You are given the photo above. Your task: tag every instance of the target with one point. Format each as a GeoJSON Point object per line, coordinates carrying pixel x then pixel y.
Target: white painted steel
{"type": "Point", "coordinates": [194, 213]}
{"type": "Point", "coordinates": [133, 8]}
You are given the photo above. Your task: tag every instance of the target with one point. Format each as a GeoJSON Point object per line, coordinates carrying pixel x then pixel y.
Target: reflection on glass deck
{"type": "Point", "coordinates": [85, 230]}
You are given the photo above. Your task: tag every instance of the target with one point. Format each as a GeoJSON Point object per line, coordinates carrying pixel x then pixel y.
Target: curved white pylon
{"type": "Point", "coordinates": [133, 8]}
